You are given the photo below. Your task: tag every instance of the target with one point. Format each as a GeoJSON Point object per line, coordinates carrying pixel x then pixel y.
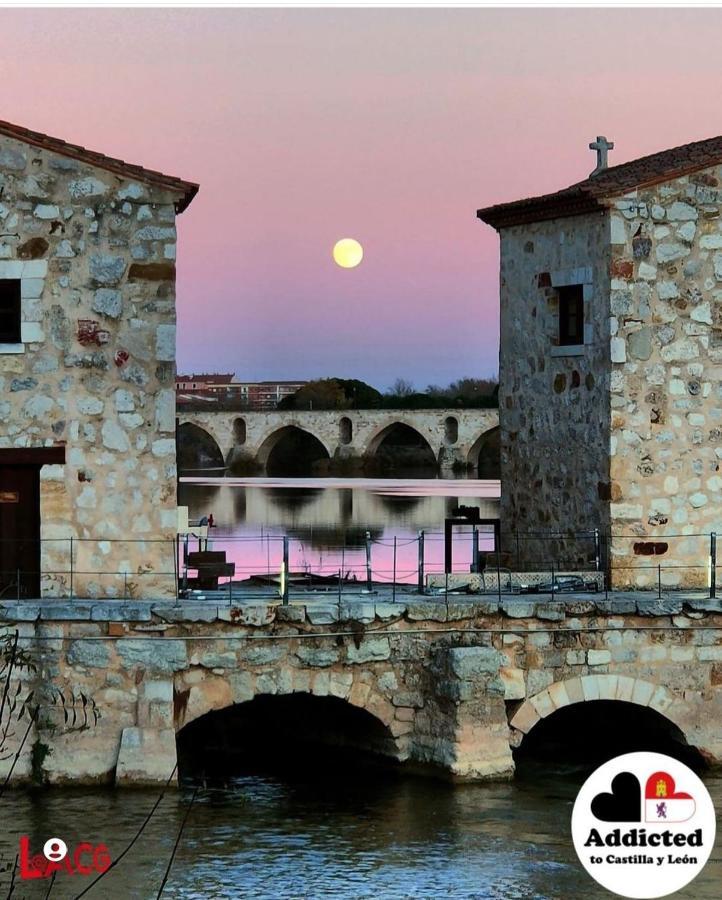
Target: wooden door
{"type": "Point", "coordinates": [19, 531]}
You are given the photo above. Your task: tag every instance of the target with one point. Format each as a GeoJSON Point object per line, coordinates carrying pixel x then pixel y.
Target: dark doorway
{"type": "Point", "coordinates": [19, 531]}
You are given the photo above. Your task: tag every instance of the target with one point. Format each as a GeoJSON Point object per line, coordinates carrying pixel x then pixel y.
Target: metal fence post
{"type": "Point", "coordinates": [284, 572]}
{"type": "Point", "coordinates": [421, 563]}
{"type": "Point", "coordinates": [369, 583]}
{"type": "Point", "coordinates": [713, 564]}
{"type": "Point", "coordinates": [475, 550]}
{"type": "Point", "coordinates": [659, 581]}
{"type": "Point", "coordinates": [71, 567]}
{"type": "Point", "coordinates": [597, 550]}
{"type": "Point", "coordinates": [393, 588]}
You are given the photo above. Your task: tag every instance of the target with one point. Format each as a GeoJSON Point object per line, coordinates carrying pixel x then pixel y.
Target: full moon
{"type": "Point", "coordinates": [347, 253]}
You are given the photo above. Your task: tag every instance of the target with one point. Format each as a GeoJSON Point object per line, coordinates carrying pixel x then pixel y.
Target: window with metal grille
{"type": "Point", "coordinates": [9, 311]}
{"type": "Point", "coordinates": [571, 315]}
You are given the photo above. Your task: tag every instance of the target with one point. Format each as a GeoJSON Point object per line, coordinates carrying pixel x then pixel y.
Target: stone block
{"type": "Point", "coordinates": [518, 609]}
{"type": "Point", "coordinates": [153, 654]}
{"type": "Point", "coordinates": [90, 653]}
{"type": "Point", "coordinates": [316, 654]}
{"type": "Point", "coordinates": [146, 756]}
{"type": "Point", "coordinates": [467, 663]}
{"type": "Point", "coordinates": [257, 652]}
{"type": "Point", "coordinates": [513, 681]}
{"type": "Point", "coordinates": [358, 610]}
{"type": "Point", "coordinates": [321, 615]}
{"type": "Point", "coordinates": [599, 657]}
{"type": "Point", "coordinates": [551, 612]}
{"type": "Point", "coordinates": [429, 611]}
{"type": "Point", "coordinates": [369, 649]}
{"type": "Point", "coordinates": [655, 607]}
{"type": "Point", "coordinates": [340, 684]}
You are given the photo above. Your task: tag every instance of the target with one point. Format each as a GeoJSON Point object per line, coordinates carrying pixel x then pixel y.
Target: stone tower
{"type": "Point", "coordinates": [611, 365]}
{"type": "Point", "coordinates": [87, 371]}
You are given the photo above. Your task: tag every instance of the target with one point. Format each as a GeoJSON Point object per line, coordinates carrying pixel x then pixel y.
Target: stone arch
{"type": "Point", "coordinates": [383, 431]}
{"type": "Point", "coordinates": [586, 688]}
{"type": "Point", "coordinates": [191, 432]}
{"type": "Point", "coordinates": [484, 456]}
{"type": "Point", "coordinates": [214, 693]}
{"type": "Point", "coordinates": [270, 441]}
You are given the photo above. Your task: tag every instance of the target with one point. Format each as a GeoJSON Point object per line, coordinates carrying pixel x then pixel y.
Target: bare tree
{"type": "Point", "coordinates": [402, 388]}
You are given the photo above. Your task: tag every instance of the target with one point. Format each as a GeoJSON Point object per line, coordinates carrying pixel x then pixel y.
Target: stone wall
{"type": "Point", "coordinates": [95, 253]}
{"type": "Point", "coordinates": [553, 406]}
{"type": "Point", "coordinates": [666, 395]}
{"type": "Point", "coordinates": [457, 686]}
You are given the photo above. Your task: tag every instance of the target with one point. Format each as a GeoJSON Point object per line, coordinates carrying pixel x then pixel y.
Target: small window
{"type": "Point", "coordinates": [9, 311]}
{"type": "Point", "coordinates": [571, 315]}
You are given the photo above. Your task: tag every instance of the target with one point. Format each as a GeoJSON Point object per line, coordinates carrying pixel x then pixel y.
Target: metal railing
{"type": "Point", "coordinates": [274, 563]}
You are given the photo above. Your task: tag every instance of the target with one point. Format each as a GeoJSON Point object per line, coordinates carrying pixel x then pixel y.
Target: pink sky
{"type": "Point", "coordinates": [390, 126]}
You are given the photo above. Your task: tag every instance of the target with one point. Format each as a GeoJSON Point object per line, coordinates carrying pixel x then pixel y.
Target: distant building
{"type": "Point", "coordinates": [256, 395]}
{"type": "Point", "coordinates": [611, 361]}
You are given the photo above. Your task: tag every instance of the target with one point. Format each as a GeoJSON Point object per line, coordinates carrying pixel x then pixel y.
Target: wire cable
{"type": "Point", "coordinates": [177, 842]}
{"type": "Point", "coordinates": [140, 831]}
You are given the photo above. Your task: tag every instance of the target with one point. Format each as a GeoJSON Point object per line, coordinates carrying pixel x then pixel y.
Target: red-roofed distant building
{"type": "Point", "coordinates": [224, 387]}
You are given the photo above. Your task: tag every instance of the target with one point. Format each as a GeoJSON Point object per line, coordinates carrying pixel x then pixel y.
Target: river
{"type": "Point", "coordinates": [327, 519]}
{"type": "Point", "coordinates": [327, 837]}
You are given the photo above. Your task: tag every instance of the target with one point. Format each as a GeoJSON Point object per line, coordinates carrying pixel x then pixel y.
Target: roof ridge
{"type": "Point", "coordinates": [188, 189]}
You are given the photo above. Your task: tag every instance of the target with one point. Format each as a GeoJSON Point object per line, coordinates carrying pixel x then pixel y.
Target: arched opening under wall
{"type": "Point", "coordinates": [293, 452]}
{"type": "Point", "coordinates": [197, 449]}
{"type": "Point", "coordinates": [575, 739]}
{"type": "Point", "coordinates": [286, 735]}
{"type": "Point", "coordinates": [401, 451]}
{"type": "Point", "coordinates": [485, 455]}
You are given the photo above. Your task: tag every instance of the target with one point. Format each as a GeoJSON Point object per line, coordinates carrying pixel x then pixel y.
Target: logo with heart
{"type": "Point", "coordinates": [643, 825]}
{"type": "Point", "coordinates": [662, 803]}
{"type": "Point", "coordinates": [624, 804]}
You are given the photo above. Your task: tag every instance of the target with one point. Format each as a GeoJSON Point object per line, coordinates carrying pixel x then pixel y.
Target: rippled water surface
{"type": "Point", "coordinates": [342, 838]}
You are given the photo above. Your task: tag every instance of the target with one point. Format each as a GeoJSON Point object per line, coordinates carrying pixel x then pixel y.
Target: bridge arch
{"type": "Point", "coordinates": [356, 717]}
{"type": "Point", "coordinates": [398, 426]}
{"type": "Point", "coordinates": [605, 715]}
{"type": "Point", "coordinates": [484, 454]}
{"type": "Point", "coordinates": [586, 688]}
{"type": "Point", "coordinates": [314, 445]}
{"type": "Point", "coordinates": [198, 447]}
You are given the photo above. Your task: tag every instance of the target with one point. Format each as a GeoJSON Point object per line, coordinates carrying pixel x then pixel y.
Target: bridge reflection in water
{"type": "Point", "coordinates": [327, 521]}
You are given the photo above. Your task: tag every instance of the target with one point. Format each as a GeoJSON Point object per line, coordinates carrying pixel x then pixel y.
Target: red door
{"type": "Point", "coordinates": [19, 531]}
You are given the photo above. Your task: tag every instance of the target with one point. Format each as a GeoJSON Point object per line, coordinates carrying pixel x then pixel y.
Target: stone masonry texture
{"type": "Point", "coordinates": [95, 253]}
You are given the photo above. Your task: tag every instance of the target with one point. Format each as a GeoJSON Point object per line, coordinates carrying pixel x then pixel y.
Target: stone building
{"type": "Point", "coordinates": [611, 363]}
{"type": "Point", "coordinates": [87, 371]}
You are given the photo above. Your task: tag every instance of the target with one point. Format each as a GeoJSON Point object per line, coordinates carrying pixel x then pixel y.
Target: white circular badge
{"type": "Point", "coordinates": [55, 849]}
{"type": "Point", "coordinates": [643, 825]}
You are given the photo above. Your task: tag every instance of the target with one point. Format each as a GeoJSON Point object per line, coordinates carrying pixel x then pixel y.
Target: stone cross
{"type": "Point", "coordinates": [601, 145]}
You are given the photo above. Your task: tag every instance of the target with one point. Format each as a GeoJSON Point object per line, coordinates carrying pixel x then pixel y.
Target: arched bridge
{"type": "Point", "coordinates": [453, 437]}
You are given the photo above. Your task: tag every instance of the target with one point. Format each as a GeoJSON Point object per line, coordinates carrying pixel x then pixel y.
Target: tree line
{"type": "Point", "coordinates": [349, 393]}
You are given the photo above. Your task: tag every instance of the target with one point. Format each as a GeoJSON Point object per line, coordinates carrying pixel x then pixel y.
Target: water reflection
{"type": "Point", "coordinates": [338, 838]}
{"type": "Point", "coordinates": [327, 521]}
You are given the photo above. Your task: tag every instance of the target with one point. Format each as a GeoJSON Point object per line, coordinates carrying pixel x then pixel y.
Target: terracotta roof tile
{"type": "Point", "coordinates": [187, 189]}
{"type": "Point", "coordinates": [585, 196]}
